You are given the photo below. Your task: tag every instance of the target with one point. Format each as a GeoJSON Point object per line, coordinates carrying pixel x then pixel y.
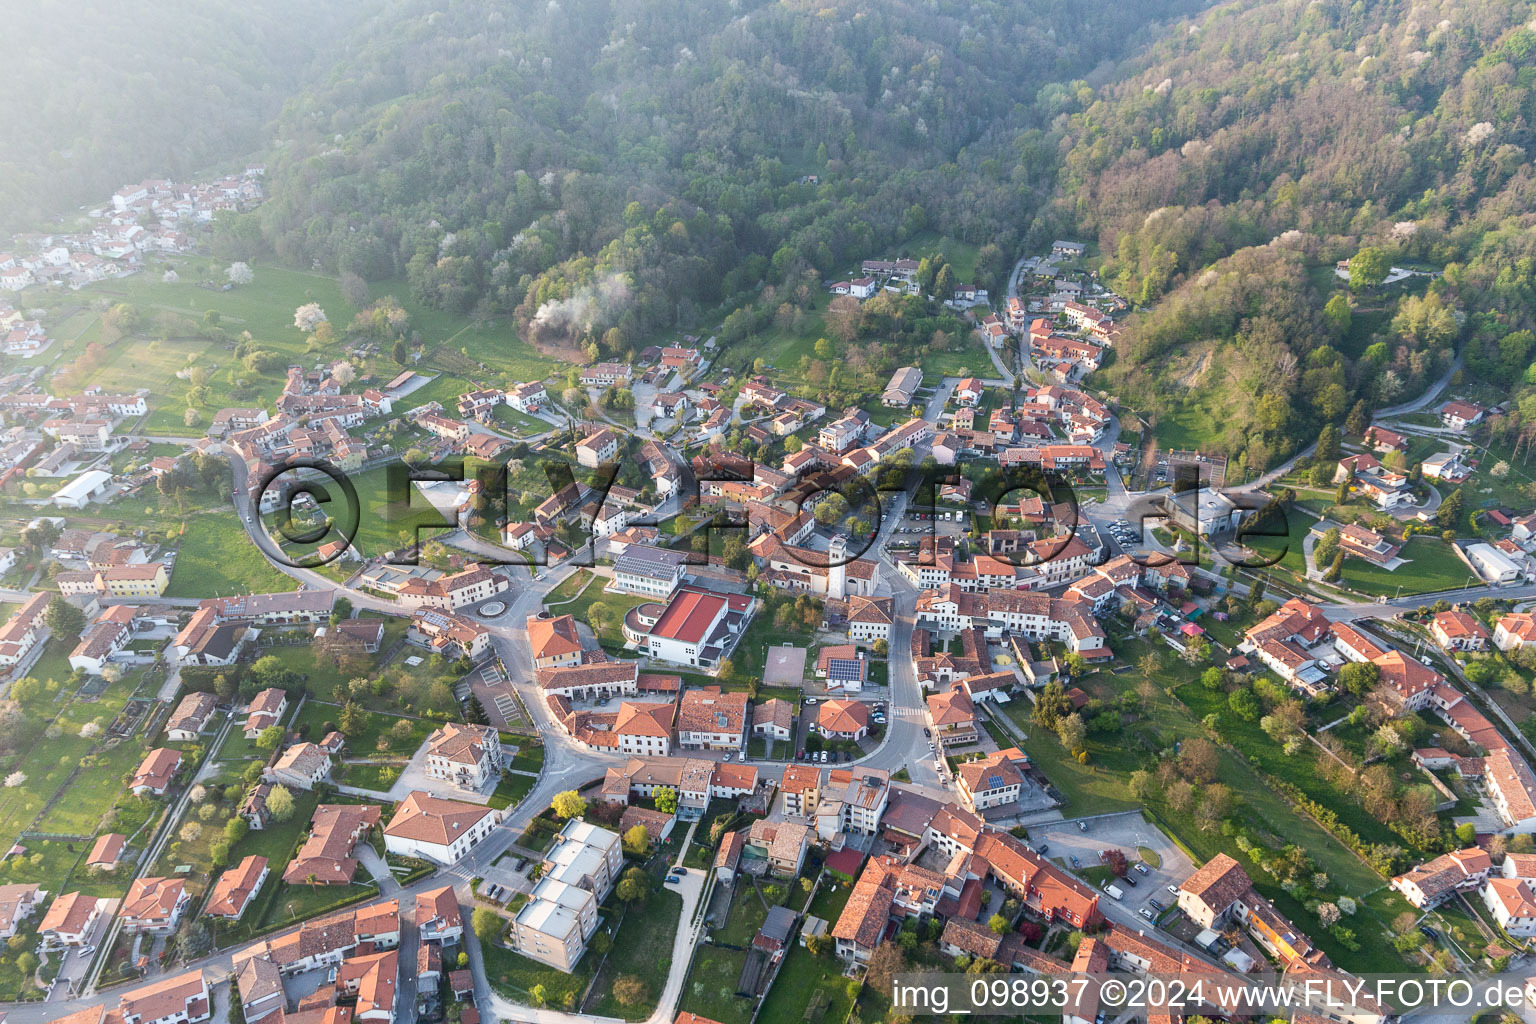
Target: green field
{"type": "Point", "coordinates": [804, 976]}
{"type": "Point", "coordinates": [1432, 566]}
{"type": "Point", "coordinates": [376, 735]}
{"type": "Point", "coordinates": [216, 558]}
{"type": "Point", "coordinates": [642, 947]}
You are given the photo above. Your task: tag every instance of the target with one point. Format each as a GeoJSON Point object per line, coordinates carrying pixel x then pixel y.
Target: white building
{"type": "Point", "coordinates": [467, 756]}
{"type": "Point", "coordinates": [83, 489]}
{"type": "Point", "coordinates": [439, 830]}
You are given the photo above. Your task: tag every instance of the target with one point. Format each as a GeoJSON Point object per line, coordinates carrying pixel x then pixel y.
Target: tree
{"type": "Point", "coordinates": [1051, 704]}
{"type": "Point", "coordinates": [1359, 677]}
{"type": "Point", "coordinates": [1338, 313]}
{"type": "Point", "coordinates": [1328, 444]}
{"type": "Point", "coordinates": [630, 890]}
{"type": "Point", "coordinates": [401, 355]}
{"type": "Point", "coordinates": [63, 619]}
{"type": "Point", "coordinates": [637, 840]}
{"type": "Point", "coordinates": [235, 829]}
{"type": "Point", "coordinates": [569, 804]}
{"type": "Point", "coordinates": [1072, 732]}
{"type": "Point", "coordinates": [1116, 861]}
{"type": "Point", "coordinates": [270, 737]}
{"type": "Point", "coordinates": [666, 800]}
{"type": "Point", "coordinates": [1368, 268]}
{"type": "Point", "coordinates": [487, 924]}
{"type": "Point", "coordinates": [999, 924]}
{"type": "Point", "coordinates": [350, 723]}
{"type": "Point", "coordinates": [240, 273]}
{"type": "Point", "coordinates": [1198, 759]}
{"type": "Point", "coordinates": [308, 316]}
{"type": "Point", "coordinates": [630, 989]}
{"type": "Point", "coordinates": [1448, 515]}
{"type": "Point", "coordinates": [280, 803]}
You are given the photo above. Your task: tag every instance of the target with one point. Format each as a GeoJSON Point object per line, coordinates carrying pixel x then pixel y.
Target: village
{"type": "Point", "coordinates": [715, 702]}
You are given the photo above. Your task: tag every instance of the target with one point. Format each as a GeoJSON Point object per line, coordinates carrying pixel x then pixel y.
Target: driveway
{"type": "Point", "coordinates": [1125, 831]}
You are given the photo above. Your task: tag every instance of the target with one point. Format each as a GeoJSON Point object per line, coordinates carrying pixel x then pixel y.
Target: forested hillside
{"type": "Point", "coordinates": [102, 93]}
{"type": "Point", "coordinates": [608, 168]}
{"type": "Point", "coordinates": [1228, 167]}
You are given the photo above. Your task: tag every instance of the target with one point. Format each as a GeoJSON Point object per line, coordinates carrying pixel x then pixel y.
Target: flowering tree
{"type": "Point", "coordinates": [240, 273]}
{"type": "Point", "coordinates": [308, 316]}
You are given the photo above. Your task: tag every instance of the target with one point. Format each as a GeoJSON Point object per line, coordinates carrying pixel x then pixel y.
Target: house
{"type": "Point", "coordinates": [372, 980]}
{"type": "Point", "coordinates": [1383, 440]}
{"type": "Point", "coordinates": [23, 630]}
{"type": "Point", "coordinates": [190, 717]}
{"type": "Point", "coordinates": [236, 888]}
{"type": "Point", "coordinates": [260, 984]}
{"type": "Point", "coordinates": [697, 627]}
{"type": "Point", "coordinates": [1514, 631]}
{"type": "Point", "coordinates": [843, 719]}
{"type": "Point", "coordinates": [711, 720]}
{"type": "Point", "coordinates": [17, 903]}
{"type": "Point", "coordinates": [155, 772]}
{"type": "Point", "coordinates": [154, 905]}
{"type": "Point", "coordinates": [869, 619]}
{"type": "Point", "coordinates": [783, 842]}
{"type": "Point", "coordinates": [843, 666]}
{"type": "Point", "coordinates": [70, 920]}
{"type": "Point", "coordinates": [902, 387]}
{"type": "Point", "coordinates": [467, 756]}
{"type": "Point", "coordinates": [302, 766]}
{"type": "Point", "coordinates": [326, 856]}
{"type": "Point", "coordinates": [438, 918]}
{"type": "Point", "coordinates": [596, 449]}
{"type": "Point", "coordinates": [994, 781]}
{"type": "Point", "coordinates": [862, 287]}
{"type": "Point", "coordinates": [1367, 544]}
{"type": "Point", "coordinates": [1457, 630]}
{"type": "Point", "coordinates": [773, 937]}
{"type": "Point", "coordinates": [266, 709]}
{"type": "Point", "coordinates": [107, 851]}
{"type": "Point", "coordinates": [1461, 415]}
{"type": "Point", "coordinates": [554, 642]}
{"type": "Point", "coordinates": [1436, 881]}
{"type": "Point", "coordinates": [774, 718]}
{"type": "Point", "coordinates": [1513, 905]}
{"type": "Point", "coordinates": [102, 639]}
{"type": "Point", "coordinates": [439, 830]}
{"type": "Point", "coordinates": [953, 716]}
{"type": "Point", "coordinates": [180, 999]}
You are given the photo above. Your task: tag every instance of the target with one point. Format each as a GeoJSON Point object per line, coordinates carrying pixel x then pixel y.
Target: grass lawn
{"type": "Point", "coordinates": [1101, 785]}
{"type": "Point", "coordinates": [385, 513]}
{"type": "Point", "coordinates": [804, 977]}
{"type": "Point", "coordinates": [569, 587]}
{"type": "Point", "coordinates": [514, 975]}
{"type": "Point", "coordinates": [377, 725]}
{"type": "Point", "coordinates": [215, 557]}
{"type": "Point", "coordinates": [1432, 566]}
{"type": "Point", "coordinates": [615, 605]}
{"type": "Point", "coordinates": [643, 947]}
{"type": "Point", "coordinates": [376, 777]}
{"type": "Point", "coordinates": [711, 987]}
{"type": "Point", "coordinates": [529, 756]}
{"type": "Point", "coordinates": [511, 790]}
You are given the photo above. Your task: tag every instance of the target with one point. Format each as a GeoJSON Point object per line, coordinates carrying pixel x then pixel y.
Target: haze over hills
{"type": "Point", "coordinates": [103, 93]}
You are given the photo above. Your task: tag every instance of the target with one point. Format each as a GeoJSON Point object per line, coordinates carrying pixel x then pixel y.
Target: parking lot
{"type": "Point", "coordinates": [878, 709]}
{"type": "Point", "coordinates": [1127, 832]}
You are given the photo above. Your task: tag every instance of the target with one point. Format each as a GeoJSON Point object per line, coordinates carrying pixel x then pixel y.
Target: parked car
{"type": "Point", "coordinates": [673, 879]}
{"type": "Point", "coordinates": [1143, 869]}
{"type": "Point", "coordinates": [1129, 879]}
{"type": "Point", "coordinates": [1173, 889]}
{"type": "Point", "coordinates": [679, 870]}
{"type": "Point", "coordinates": [1042, 848]}
{"type": "Point", "coordinates": [1144, 912]}
{"type": "Point", "coordinates": [1082, 826]}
